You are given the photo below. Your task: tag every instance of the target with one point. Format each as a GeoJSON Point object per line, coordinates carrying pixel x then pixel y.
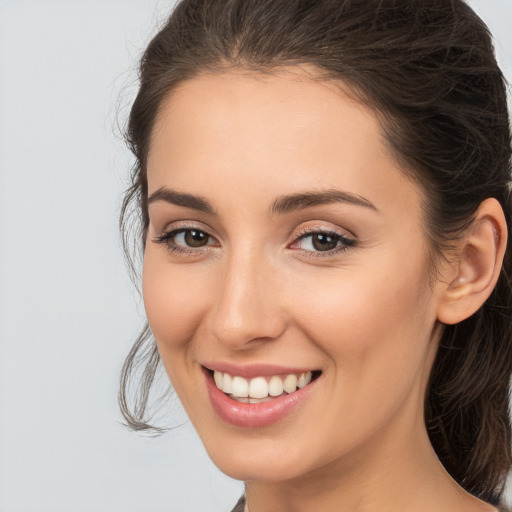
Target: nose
{"type": "Point", "coordinates": [246, 308]}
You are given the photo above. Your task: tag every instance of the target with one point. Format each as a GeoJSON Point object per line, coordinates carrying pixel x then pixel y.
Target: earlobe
{"type": "Point", "coordinates": [477, 265]}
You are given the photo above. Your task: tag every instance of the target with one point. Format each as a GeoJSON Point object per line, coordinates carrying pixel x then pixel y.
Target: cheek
{"type": "Point", "coordinates": [174, 307]}
{"type": "Point", "coordinates": [374, 323]}
{"type": "Point", "coordinates": [376, 334]}
{"type": "Point", "coordinates": [173, 302]}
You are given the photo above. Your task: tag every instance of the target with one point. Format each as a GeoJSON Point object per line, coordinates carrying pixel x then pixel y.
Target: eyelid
{"type": "Point", "coordinates": [310, 228]}
{"type": "Point", "coordinates": [316, 228]}
{"type": "Point", "coordinates": [183, 225]}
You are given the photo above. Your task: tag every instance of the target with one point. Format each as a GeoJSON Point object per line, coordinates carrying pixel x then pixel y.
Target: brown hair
{"type": "Point", "coordinates": [428, 69]}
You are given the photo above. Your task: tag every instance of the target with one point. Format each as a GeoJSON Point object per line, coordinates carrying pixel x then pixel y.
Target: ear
{"type": "Point", "coordinates": [477, 264]}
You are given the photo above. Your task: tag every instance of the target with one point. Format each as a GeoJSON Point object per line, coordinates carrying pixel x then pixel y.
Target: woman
{"type": "Point", "coordinates": [323, 190]}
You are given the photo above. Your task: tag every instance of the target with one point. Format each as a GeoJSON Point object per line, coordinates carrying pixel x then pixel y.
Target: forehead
{"type": "Point", "coordinates": [273, 110]}
{"type": "Point", "coordinates": [281, 132]}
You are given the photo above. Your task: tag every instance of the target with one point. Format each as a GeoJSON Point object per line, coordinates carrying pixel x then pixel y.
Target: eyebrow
{"type": "Point", "coordinates": [281, 205]}
{"type": "Point", "coordinates": [180, 199]}
{"type": "Point", "coordinates": [303, 200]}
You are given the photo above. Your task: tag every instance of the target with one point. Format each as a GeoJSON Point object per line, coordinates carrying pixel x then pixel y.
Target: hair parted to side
{"type": "Point", "coordinates": [427, 68]}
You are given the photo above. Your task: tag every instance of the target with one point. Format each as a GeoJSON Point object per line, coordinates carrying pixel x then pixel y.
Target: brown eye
{"type": "Point", "coordinates": [185, 239]}
{"type": "Point", "coordinates": [324, 242]}
{"type": "Point", "coordinates": [194, 238]}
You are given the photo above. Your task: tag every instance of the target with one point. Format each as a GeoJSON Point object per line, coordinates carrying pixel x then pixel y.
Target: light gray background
{"type": "Point", "coordinates": [68, 312]}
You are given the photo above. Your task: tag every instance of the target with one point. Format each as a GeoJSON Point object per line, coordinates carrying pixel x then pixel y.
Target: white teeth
{"type": "Point", "coordinates": [259, 388]}
{"type": "Point", "coordinates": [290, 383]}
{"type": "Point", "coordinates": [304, 379]}
{"type": "Point", "coordinates": [240, 387]}
{"type": "Point", "coordinates": [227, 383]}
{"type": "Point", "coordinates": [275, 386]}
{"type": "Point", "coordinates": [218, 377]}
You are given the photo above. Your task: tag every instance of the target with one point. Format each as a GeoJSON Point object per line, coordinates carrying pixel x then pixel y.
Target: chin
{"type": "Point", "coordinates": [262, 460]}
{"type": "Point", "coordinates": [248, 469]}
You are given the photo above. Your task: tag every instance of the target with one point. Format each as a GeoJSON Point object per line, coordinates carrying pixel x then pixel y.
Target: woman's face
{"type": "Point", "coordinates": [284, 240]}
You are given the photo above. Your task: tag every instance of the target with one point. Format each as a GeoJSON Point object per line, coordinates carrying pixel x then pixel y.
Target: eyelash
{"type": "Point", "coordinates": [168, 238]}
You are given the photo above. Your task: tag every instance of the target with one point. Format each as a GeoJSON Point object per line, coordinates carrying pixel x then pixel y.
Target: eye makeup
{"type": "Point", "coordinates": [313, 241]}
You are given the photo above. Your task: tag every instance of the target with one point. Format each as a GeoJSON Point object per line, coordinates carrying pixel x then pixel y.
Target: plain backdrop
{"type": "Point", "coordinates": [68, 312]}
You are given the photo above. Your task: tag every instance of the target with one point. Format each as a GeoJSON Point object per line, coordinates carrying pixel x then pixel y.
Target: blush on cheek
{"type": "Point", "coordinates": [167, 303]}
{"type": "Point", "coordinates": [364, 316]}
{"type": "Point", "coordinates": [167, 319]}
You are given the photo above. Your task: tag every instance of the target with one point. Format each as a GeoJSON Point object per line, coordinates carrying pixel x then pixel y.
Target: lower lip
{"type": "Point", "coordinates": [262, 414]}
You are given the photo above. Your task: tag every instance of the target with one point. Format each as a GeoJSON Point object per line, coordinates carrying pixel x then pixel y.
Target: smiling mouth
{"type": "Point", "coordinates": [261, 389]}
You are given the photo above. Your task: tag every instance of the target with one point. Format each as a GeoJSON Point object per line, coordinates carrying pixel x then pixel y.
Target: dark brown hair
{"type": "Point", "coordinates": [427, 68]}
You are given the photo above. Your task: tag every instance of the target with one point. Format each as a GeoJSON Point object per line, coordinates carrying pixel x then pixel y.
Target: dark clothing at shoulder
{"type": "Point", "coordinates": [239, 507]}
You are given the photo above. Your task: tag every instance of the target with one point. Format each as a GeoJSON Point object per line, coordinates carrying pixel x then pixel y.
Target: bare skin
{"type": "Point", "coordinates": [260, 288]}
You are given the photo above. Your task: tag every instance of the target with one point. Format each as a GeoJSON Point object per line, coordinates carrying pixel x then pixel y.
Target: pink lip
{"type": "Point", "coordinates": [254, 370]}
{"type": "Point", "coordinates": [255, 415]}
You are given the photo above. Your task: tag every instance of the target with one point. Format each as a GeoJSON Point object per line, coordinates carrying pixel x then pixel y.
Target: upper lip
{"type": "Point", "coordinates": [255, 369]}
